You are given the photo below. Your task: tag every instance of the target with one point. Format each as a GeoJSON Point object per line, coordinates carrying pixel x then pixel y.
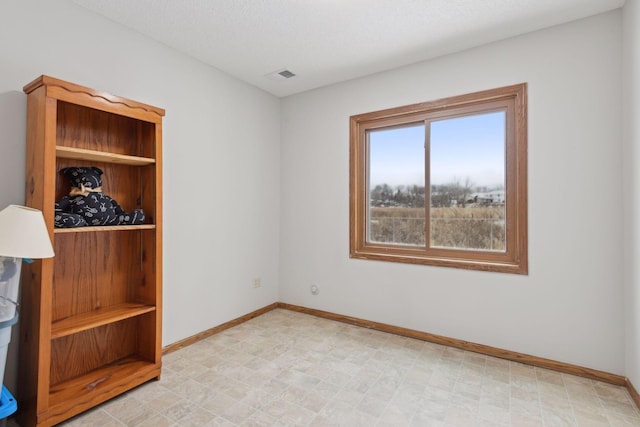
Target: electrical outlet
{"type": "Point", "coordinates": [257, 282]}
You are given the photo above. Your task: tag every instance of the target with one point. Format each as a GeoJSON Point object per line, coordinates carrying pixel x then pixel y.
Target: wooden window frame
{"type": "Point", "coordinates": [513, 99]}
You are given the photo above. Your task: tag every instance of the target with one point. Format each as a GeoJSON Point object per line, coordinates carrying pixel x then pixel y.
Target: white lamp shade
{"type": "Point", "coordinates": [23, 233]}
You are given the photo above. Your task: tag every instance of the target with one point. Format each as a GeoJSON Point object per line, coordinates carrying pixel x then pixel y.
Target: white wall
{"type": "Point", "coordinates": [222, 151]}
{"type": "Point", "coordinates": [569, 307]}
{"type": "Point", "coordinates": [221, 154]}
{"type": "Point", "coordinates": [631, 110]}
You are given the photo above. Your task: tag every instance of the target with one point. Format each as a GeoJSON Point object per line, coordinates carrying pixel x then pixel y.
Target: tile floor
{"type": "Point", "coordinates": [290, 369]}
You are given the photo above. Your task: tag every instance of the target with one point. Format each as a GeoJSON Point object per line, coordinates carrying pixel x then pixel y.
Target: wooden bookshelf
{"type": "Point", "coordinates": [91, 316]}
{"type": "Point", "coordinates": [99, 156]}
{"type": "Point", "coordinates": [100, 317]}
{"type": "Point", "coordinates": [80, 394]}
{"type": "Point", "coordinates": [107, 229]}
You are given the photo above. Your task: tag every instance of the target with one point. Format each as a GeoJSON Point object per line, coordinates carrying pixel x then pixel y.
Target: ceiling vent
{"type": "Point", "coordinates": [280, 75]}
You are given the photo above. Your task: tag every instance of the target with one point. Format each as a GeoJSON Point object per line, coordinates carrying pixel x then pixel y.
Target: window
{"type": "Point", "coordinates": [443, 182]}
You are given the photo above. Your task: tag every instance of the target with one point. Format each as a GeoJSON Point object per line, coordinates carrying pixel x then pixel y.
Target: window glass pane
{"type": "Point", "coordinates": [396, 186]}
{"type": "Point", "coordinates": [467, 178]}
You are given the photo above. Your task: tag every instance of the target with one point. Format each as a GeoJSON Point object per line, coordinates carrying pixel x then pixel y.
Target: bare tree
{"type": "Point", "coordinates": [466, 191]}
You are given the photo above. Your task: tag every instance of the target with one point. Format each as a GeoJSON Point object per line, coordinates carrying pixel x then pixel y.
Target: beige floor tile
{"type": "Point", "coordinates": [290, 369]}
{"type": "Point", "coordinates": [556, 417]}
{"type": "Point", "coordinates": [526, 421]}
{"type": "Point", "coordinates": [95, 417]}
{"type": "Point", "coordinates": [621, 421]}
{"type": "Point", "coordinates": [623, 408]}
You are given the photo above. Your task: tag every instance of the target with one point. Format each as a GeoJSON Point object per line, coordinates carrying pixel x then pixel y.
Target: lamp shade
{"type": "Point", "coordinates": [23, 233]}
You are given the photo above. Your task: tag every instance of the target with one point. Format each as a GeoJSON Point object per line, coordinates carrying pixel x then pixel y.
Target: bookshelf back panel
{"type": "Point", "coordinates": [94, 270]}
{"type": "Point", "coordinates": [122, 183]}
{"type": "Point", "coordinates": [86, 351]}
{"type": "Point", "coordinates": [90, 129]}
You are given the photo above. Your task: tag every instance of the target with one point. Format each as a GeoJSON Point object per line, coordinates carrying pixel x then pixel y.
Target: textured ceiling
{"type": "Point", "coordinates": [328, 41]}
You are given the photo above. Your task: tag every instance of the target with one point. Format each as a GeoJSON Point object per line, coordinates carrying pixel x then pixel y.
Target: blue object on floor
{"type": "Point", "coordinates": [8, 404]}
